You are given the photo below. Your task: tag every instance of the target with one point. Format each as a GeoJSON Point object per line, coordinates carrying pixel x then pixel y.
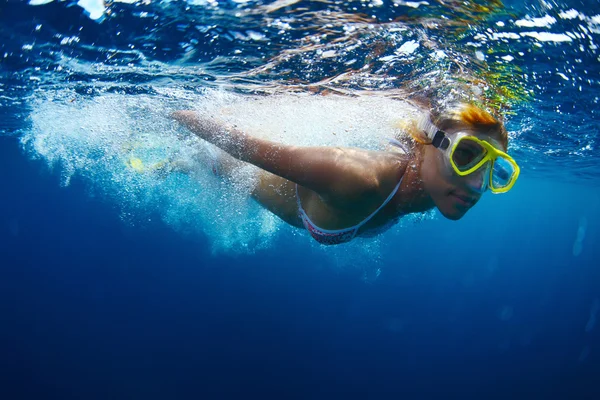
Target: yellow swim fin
{"type": "Point", "coordinates": [136, 164]}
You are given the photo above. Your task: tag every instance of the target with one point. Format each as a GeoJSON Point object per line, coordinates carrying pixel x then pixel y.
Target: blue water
{"type": "Point", "coordinates": [115, 284]}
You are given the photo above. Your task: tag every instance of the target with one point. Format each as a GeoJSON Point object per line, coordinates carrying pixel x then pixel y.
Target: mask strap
{"type": "Point", "coordinates": [438, 137]}
{"type": "Point", "coordinates": [440, 140]}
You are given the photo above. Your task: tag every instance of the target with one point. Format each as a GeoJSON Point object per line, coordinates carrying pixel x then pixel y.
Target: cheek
{"type": "Point", "coordinates": [435, 173]}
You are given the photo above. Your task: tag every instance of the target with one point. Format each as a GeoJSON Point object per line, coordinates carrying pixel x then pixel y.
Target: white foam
{"type": "Point", "coordinates": [95, 9]}
{"type": "Point", "coordinates": [413, 4]}
{"type": "Point", "coordinates": [310, 120]}
{"type": "Point", "coordinates": [569, 14]}
{"type": "Point", "coordinates": [99, 139]}
{"type": "Point", "coordinates": [408, 48]}
{"type": "Point", "coordinates": [548, 37]}
{"type": "Point", "coordinates": [541, 22]}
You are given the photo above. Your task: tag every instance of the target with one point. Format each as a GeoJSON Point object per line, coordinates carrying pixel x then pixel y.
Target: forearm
{"type": "Point", "coordinates": [227, 138]}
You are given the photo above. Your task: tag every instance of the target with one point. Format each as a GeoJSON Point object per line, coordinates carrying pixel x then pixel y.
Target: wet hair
{"type": "Point", "coordinates": [457, 116]}
{"type": "Point", "coordinates": [463, 115]}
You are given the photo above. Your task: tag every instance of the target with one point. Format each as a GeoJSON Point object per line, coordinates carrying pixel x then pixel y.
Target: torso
{"type": "Point", "coordinates": [330, 216]}
{"type": "Point", "coordinates": [279, 196]}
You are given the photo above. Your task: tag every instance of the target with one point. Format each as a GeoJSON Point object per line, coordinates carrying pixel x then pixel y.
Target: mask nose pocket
{"type": "Point", "coordinates": [478, 181]}
{"type": "Point", "coordinates": [502, 173]}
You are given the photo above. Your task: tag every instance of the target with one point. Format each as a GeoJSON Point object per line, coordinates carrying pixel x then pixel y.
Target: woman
{"type": "Point", "coordinates": [340, 193]}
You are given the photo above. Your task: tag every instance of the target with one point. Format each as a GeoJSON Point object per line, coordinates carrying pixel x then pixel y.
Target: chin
{"type": "Point", "coordinates": [453, 216]}
{"type": "Point", "coordinates": [452, 213]}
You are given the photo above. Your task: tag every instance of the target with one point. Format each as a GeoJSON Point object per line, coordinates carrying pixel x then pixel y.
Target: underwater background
{"type": "Point", "coordinates": [119, 282]}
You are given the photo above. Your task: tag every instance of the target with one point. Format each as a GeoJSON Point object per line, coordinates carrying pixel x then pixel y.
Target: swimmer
{"type": "Point", "coordinates": [337, 194]}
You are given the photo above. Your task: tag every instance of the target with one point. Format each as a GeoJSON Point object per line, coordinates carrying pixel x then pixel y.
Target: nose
{"type": "Point", "coordinates": [478, 180]}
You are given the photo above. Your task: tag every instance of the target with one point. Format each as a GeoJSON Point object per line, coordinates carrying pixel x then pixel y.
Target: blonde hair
{"type": "Point", "coordinates": [457, 115]}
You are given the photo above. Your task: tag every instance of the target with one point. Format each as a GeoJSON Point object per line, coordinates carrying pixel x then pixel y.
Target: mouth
{"type": "Point", "coordinates": [465, 201]}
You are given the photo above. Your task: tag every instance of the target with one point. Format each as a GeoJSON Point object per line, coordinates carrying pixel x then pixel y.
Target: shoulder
{"type": "Point", "coordinates": [370, 177]}
{"type": "Point", "coordinates": [389, 172]}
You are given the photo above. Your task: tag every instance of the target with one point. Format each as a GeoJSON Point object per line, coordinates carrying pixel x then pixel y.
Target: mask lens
{"type": "Point", "coordinates": [467, 154]}
{"type": "Point", "coordinates": [503, 173]}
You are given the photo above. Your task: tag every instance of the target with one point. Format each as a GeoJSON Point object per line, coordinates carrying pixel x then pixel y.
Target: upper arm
{"type": "Point", "coordinates": [326, 170]}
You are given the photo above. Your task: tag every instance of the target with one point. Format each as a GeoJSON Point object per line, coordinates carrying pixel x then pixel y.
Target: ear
{"type": "Point", "coordinates": [411, 128]}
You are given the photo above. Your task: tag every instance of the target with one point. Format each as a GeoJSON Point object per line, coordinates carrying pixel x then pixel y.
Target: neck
{"type": "Point", "coordinates": [414, 198]}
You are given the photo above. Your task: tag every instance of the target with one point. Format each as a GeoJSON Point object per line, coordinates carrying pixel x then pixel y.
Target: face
{"type": "Point", "coordinates": [453, 194]}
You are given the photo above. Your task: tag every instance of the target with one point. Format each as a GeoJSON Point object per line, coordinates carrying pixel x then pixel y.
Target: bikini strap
{"type": "Point", "coordinates": [357, 226]}
{"type": "Point", "coordinates": [399, 144]}
{"type": "Point", "coordinates": [390, 197]}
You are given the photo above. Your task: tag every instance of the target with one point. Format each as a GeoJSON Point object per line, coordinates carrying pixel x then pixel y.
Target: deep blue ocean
{"type": "Point", "coordinates": [119, 283]}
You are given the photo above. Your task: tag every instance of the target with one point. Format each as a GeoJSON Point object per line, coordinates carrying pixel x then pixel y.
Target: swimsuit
{"type": "Point", "coordinates": [337, 236]}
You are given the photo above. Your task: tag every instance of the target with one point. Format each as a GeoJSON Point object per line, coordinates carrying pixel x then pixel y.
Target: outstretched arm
{"type": "Point", "coordinates": [329, 171]}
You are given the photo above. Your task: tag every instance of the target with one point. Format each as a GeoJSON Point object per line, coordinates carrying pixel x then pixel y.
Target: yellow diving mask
{"type": "Point", "coordinates": [467, 153]}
